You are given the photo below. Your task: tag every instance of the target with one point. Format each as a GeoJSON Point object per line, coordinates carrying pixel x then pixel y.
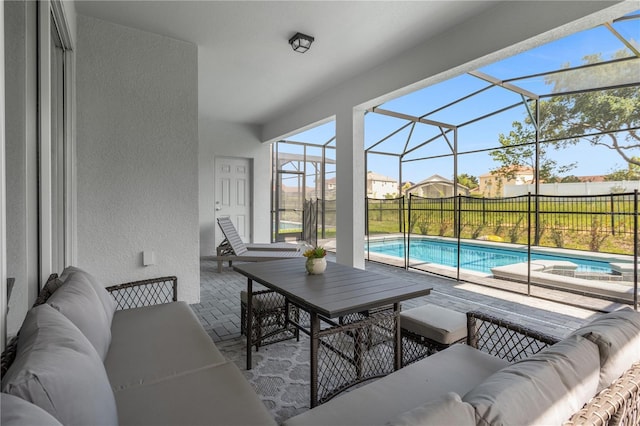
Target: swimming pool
{"type": "Point", "coordinates": [473, 257]}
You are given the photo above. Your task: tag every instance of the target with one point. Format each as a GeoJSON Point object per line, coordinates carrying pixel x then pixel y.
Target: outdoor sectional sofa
{"type": "Point", "coordinates": [128, 355]}
{"type": "Point", "coordinates": [506, 375]}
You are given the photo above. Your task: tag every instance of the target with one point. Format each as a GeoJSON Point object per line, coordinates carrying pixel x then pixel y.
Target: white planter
{"type": "Point", "coordinates": [316, 266]}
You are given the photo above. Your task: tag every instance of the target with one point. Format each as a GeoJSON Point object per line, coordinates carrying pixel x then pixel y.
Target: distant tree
{"type": "Point", "coordinates": [520, 151]}
{"type": "Point", "coordinates": [468, 180]}
{"type": "Point", "coordinates": [632, 172]}
{"type": "Point", "coordinates": [570, 179]}
{"type": "Point", "coordinates": [606, 118]}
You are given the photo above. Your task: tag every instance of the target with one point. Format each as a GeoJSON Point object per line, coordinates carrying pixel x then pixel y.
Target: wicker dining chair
{"type": "Point", "coordinates": [270, 311]}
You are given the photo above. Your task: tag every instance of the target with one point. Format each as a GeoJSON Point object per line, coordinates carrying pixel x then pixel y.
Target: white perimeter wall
{"type": "Point", "coordinates": [224, 139]}
{"type": "Point", "coordinates": [574, 188]}
{"type": "Point", "coordinates": [137, 155]}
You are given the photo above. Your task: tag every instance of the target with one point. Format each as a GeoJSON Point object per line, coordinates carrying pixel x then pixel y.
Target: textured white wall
{"type": "Point", "coordinates": [21, 159]}
{"type": "Point", "coordinates": [224, 139]}
{"type": "Point", "coordinates": [15, 151]}
{"type": "Point", "coordinates": [137, 155]}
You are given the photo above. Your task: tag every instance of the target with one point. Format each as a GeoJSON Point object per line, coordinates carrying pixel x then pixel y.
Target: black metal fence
{"type": "Point", "coordinates": [386, 217]}
{"type": "Point", "coordinates": [318, 220]}
{"type": "Point", "coordinates": [310, 222]}
{"type": "Point", "coordinates": [604, 224]}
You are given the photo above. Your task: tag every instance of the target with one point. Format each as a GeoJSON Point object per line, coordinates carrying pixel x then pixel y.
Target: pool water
{"type": "Point", "coordinates": [473, 257]}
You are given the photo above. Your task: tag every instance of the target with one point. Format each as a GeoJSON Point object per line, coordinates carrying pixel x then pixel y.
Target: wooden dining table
{"type": "Point", "coordinates": [343, 304]}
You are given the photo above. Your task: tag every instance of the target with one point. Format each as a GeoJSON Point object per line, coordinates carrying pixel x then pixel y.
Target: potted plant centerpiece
{"type": "Point", "coordinates": [316, 261]}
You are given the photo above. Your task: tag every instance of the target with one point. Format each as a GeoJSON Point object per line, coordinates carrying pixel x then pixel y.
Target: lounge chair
{"type": "Point", "coordinates": [233, 248]}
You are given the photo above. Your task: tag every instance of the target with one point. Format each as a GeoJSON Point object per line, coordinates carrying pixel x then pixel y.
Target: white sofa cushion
{"type": "Point", "coordinates": [16, 411]}
{"type": "Point", "coordinates": [617, 335]}
{"type": "Point", "coordinates": [436, 323]}
{"type": "Point", "coordinates": [216, 395]}
{"type": "Point", "coordinates": [108, 302]}
{"type": "Point", "coordinates": [546, 388]}
{"type": "Point", "coordinates": [77, 300]}
{"type": "Point", "coordinates": [58, 369]}
{"type": "Point", "coordinates": [155, 342]}
{"type": "Point", "coordinates": [448, 409]}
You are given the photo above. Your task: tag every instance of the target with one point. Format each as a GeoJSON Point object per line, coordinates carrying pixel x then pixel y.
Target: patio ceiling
{"type": "Point", "coordinates": [247, 71]}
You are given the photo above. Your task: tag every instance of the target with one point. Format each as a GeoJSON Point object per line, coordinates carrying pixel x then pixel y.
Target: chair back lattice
{"type": "Point", "coordinates": [155, 291]}
{"type": "Point", "coordinates": [504, 339]}
{"type": "Point", "coordinates": [231, 236]}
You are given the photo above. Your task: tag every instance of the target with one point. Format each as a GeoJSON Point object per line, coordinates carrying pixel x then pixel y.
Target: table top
{"type": "Point", "coordinates": [339, 291]}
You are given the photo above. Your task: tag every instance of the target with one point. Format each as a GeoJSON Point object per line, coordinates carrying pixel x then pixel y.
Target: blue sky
{"type": "Point", "coordinates": [590, 160]}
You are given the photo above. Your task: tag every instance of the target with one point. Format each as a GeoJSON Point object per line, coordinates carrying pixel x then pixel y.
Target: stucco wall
{"type": "Point", "coordinates": [21, 160]}
{"type": "Point", "coordinates": [137, 155]}
{"type": "Point", "coordinates": [224, 139]}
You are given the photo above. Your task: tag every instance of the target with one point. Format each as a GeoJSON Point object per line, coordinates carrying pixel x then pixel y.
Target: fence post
{"type": "Point", "coordinates": [484, 211]}
{"type": "Point", "coordinates": [537, 219]}
{"type": "Point", "coordinates": [613, 230]}
{"type": "Point", "coordinates": [408, 248]}
{"type": "Point", "coordinates": [315, 222]}
{"type": "Point", "coordinates": [529, 243]}
{"type": "Point", "coordinates": [635, 249]}
{"type": "Point", "coordinates": [400, 214]}
{"type": "Point", "coordinates": [366, 226]}
{"type": "Point", "coordinates": [457, 230]}
{"type": "Point", "coordinates": [403, 226]}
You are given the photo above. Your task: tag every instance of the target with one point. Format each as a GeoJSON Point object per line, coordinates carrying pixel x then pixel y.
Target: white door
{"type": "Point", "coordinates": [233, 195]}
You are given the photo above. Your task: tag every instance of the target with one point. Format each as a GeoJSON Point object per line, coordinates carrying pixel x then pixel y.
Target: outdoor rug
{"type": "Point", "coordinates": [280, 373]}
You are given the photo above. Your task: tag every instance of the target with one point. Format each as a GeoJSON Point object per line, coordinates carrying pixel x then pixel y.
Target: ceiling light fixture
{"type": "Point", "coordinates": [301, 42]}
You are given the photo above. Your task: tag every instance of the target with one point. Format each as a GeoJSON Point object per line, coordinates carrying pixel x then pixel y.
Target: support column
{"type": "Point", "coordinates": [350, 183]}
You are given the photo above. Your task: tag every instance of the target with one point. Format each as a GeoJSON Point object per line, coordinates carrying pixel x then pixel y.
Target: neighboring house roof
{"type": "Point", "coordinates": [594, 178]}
{"type": "Point", "coordinates": [434, 178]}
{"type": "Point", "coordinates": [379, 177]}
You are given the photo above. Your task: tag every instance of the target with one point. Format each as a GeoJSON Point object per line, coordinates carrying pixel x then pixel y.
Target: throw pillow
{"type": "Point", "coordinates": [546, 388]}
{"type": "Point", "coordinates": [617, 335]}
{"type": "Point", "coordinates": [57, 369]}
{"type": "Point", "coordinates": [108, 302]}
{"type": "Point", "coordinates": [77, 301]}
{"type": "Point", "coordinates": [16, 411]}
